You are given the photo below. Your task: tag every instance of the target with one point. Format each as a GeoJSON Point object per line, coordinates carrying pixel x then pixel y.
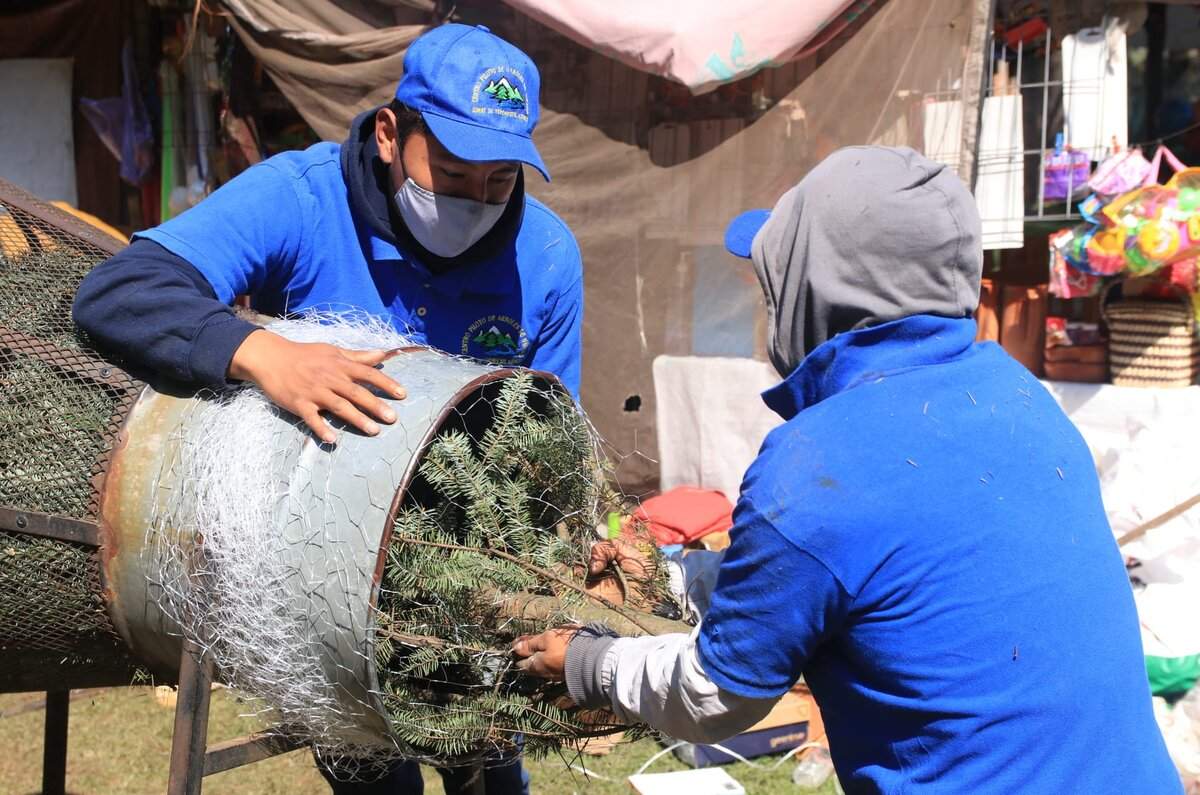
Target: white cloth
{"type": "Point", "coordinates": [658, 680]}
{"type": "Point", "coordinates": [1095, 89]}
{"type": "Point", "coordinates": [943, 131]}
{"type": "Point", "coordinates": [37, 143]}
{"type": "Point", "coordinates": [1000, 187]}
{"type": "Point", "coordinates": [711, 419]}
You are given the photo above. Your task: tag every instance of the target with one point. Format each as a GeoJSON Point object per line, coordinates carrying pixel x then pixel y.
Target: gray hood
{"type": "Point", "coordinates": [872, 234]}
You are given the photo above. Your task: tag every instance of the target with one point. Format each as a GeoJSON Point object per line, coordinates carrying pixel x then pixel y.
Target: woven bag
{"type": "Point", "coordinates": [1152, 343]}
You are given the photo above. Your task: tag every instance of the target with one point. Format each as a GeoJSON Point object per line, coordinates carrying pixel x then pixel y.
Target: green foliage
{"type": "Point", "coordinates": [514, 515]}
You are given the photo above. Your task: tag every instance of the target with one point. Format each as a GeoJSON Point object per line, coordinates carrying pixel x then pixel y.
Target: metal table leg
{"type": "Point", "coordinates": [191, 722]}
{"type": "Point", "coordinates": [54, 751]}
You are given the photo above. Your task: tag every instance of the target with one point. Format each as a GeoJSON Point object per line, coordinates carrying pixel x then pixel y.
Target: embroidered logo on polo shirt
{"type": "Point", "coordinates": [496, 338]}
{"type": "Point", "coordinates": [500, 90]}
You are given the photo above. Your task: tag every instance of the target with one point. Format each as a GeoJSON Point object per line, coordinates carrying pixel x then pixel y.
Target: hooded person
{"type": "Point", "coordinates": [922, 539]}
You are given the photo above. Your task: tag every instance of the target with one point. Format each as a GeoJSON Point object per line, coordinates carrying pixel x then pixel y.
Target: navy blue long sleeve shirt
{"type": "Point", "coordinates": [156, 307]}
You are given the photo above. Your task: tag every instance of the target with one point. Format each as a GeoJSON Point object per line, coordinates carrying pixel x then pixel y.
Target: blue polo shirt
{"type": "Point", "coordinates": [284, 233]}
{"type": "Point", "coordinates": [924, 541]}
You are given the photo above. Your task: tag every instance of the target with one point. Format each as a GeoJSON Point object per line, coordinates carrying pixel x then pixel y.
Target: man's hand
{"type": "Point", "coordinates": [544, 655]}
{"type": "Point", "coordinates": [604, 582]}
{"type": "Point", "coordinates": [308, 378]}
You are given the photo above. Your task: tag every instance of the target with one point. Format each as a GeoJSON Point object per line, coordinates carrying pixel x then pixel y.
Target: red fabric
{"type": "Point", "coordinates": [685, 514]}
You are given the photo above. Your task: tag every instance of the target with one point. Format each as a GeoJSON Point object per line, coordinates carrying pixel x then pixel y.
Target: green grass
{"type": "Point", "coordinates": [120, 740]}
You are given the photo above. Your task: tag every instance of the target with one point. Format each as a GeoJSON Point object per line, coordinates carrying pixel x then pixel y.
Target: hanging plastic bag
{"type": "Point", "coordinates": [1120, 173]}
{"type": "Point", "coordinates": [1066, 172]}
{"type": "Point", "coordinates": [123, 125]}
{"type": "Point", "coordinates": [1159, 225]}
{"type": "Point", "coordinates": [1149, 192]}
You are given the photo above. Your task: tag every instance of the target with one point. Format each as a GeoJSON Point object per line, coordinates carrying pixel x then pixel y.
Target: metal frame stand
{"type": "Point", "coordinates": [191, 757]}
{"type": "Point", "coordinates": [54, 749]}
{"type": "Point", "coordinates": [190, 737]}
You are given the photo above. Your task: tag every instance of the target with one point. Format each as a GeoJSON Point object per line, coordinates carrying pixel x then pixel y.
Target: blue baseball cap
{"type": "Point", "coordinates": [477, 93]}
{"type": "Point", "coordinates": [739, 235]}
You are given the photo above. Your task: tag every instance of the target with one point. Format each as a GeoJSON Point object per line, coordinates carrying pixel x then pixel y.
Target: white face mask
{"type": "Point", "coordinates": [445, 225]}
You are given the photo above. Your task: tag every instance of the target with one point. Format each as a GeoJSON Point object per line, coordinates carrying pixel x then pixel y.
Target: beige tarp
{"type": "Point", "coordinates": [646, 174]}
{"type": "Point", "coordinates": [331, 59]}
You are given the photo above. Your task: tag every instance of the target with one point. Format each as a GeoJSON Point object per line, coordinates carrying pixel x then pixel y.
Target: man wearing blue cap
{"type": "Point", "coordinates": [922, 539]}
{"type": "Point", "coordinates": [420, 218]}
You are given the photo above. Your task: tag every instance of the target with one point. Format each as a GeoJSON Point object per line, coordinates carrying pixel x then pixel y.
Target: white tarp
{"type": "Point", "coordinates": [711, 421]}
{"type": "Point", "coordinates": [700, 43]}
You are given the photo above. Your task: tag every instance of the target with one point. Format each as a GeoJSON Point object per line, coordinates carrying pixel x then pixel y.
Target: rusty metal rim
{"type": "Point", "coordinates": [46, 525]}
{"type": "Point", "coordinates": [107, 537]}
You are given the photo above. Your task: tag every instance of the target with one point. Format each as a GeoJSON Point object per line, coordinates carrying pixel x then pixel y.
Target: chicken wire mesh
{"type": "Point", "coordinates": [61, 407]}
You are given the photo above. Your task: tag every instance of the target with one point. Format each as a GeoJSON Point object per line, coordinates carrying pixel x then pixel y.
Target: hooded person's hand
{"type": "Point", "coordinates": [544, 655]}
{"type": "Point", "coordinates": [308, 378]}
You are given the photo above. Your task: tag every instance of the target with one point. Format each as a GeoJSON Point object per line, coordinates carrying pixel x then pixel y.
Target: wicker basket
{"type": "Point", "coordinates": [1152, 343]}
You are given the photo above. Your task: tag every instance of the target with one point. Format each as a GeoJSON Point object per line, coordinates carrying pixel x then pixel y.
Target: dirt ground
{"type": "Point", "coordinates": [120, 740]}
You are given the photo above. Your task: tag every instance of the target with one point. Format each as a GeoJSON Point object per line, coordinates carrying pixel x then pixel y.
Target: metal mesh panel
{"type": "Point", "coordinates": [61, 408]}
{"type": "Point", "coordinates": [61, 405]}
{"type": "Point", "coordinates": [53, 625]}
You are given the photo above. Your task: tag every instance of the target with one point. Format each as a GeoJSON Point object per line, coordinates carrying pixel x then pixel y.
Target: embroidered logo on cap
{"type": "Point", "coordinates": [500, 90]}
{"type": "Point", "coordinates": [504, 92]}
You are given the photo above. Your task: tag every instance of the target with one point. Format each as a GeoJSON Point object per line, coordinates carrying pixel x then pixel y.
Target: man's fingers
{"type": "Point", "coordinates": [369, 358]}
{"type": "Point", "coordinates": [603, 553]}
{"type": "Point", "coordinates": [312, 418]}
{"type": "Point", "coordinates": [345, 411]}
{"type": "Point", "coordinates": [365, 400]}
{"type": "Point", "coordinates": [535, 666]}
{"type": "Point", "coordinates": [527, 645]}
{"type": "Point", "coordinates": [366, 374]}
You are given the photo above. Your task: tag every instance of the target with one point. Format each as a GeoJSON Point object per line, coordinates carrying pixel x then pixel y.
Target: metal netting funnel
{"type": "Point", "coordinates": [61, 408]}
{"type": "Point", "coordinates": [336, 519]}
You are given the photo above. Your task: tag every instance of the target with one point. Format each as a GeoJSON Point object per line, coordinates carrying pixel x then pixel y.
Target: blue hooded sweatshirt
{"type": "Point", "coordinates": [922, 539]}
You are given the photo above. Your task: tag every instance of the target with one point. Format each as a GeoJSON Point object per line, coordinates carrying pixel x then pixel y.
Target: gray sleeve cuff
{"type": "Point", "coordinates": [585, 659]}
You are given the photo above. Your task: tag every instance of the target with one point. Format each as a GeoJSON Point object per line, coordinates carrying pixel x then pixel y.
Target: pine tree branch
{"type": "Point", "coordinates": [629, 615]}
